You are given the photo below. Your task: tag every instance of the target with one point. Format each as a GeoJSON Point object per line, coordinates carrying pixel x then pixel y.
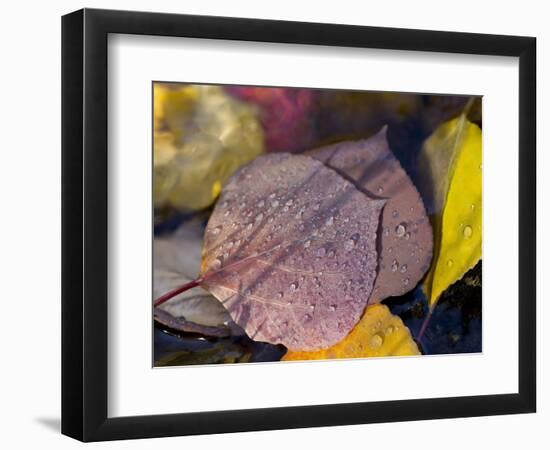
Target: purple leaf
{"type": "Point", "coordinates": [290, 250]}
{"type": "Point", "coordinates": [405, 238]}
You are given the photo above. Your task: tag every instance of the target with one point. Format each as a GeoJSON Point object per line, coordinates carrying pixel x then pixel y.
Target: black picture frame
{"type": "Point", "coordinates": [84, 224]}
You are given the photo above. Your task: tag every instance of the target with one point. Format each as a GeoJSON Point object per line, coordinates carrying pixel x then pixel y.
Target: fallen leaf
{"type": "Point", "coordinates": [290, 251]}
{"type": "Point", "coordinates": [405, 236]}
{"type": "Point", "coordinates": [287, 115]}
{"type": "Point", "coordinates": [176, 260]}
{"type": "Point", "coordinates": [450, 163]}
{"type": "Point", "coordinates": [379, 333]}
{"type": "Point", "coordinates": [202, 135]}
{"type": "Point", "coordinates": [170, 350]}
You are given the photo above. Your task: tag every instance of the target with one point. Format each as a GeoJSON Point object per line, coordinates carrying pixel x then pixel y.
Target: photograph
{"type": "Point", "coordinates": [299, 224]}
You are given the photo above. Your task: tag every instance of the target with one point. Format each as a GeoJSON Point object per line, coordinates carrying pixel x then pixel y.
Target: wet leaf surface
{"type": "Point", "coordinates": [379, 333]}
{"type": "Point", "coordinates": [290, 251]}
{"type": "Point", "coordinates": [451, 162]}
{"type": "Point", "coordinates": [404, 234]}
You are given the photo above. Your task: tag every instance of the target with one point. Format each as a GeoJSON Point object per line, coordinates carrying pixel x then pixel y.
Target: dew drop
{"type": "Point", "coordinates": [279, 295]}
{"type": "Point", "coordinates": [307, 317]}
{"type": "Point", "coordinates": [380, 189]}
{"type": "Point", "coordinates": [275, 203]}
{"type": "Point", "coordinates": [467, 232]}
{"type": "Point", "coordinates": [390, 329]}
{"type": "Point", "coordinates": [321, 252]}
{"type": "Point", "coordinates": [261, 204]}
{"type": "Point", "coordinates": [259, 217]}
{"type": "Point", "coordinates": [332, 308]}
{"type": "Point", "coordinates": [450, 263]}
{"type": "Point", "coordinates": [376, 340]}
{"type": "Point", "coordinates": [403, 268]}
{"type": "Point", "coordinates": [293, 287]}
{"type": "Point", "coordinates": [249, 226]}
{"type": "Point", "coordinates": [217, 230]}
{"type": "Point", "coordinates": [217, 263]}
{"type": "Point", "coordinates": [400, 230]}
{"type": "Point", "coordinates": [395, 213]}
{"type": "Point", "coordinates": [349, 244]}
{"type": "Point", "coordinates": [407, 236]}
{"type": "Point", "coordinates": [307, 244]}
{"type": "Point", "coordinates": [394, 266]}
{"type": "Point", "coordinates": [329, 221]}
{"type": "Point", "coordinates": [331, 254]}
{"type": "Point", "coordinates": [316, 206]}
{"type": "Point", "coordinates": [406, 281]}
{"type": "Point", "coordinates": [289, 203]}
{"type": "Point", "coordinates": [386, 231]}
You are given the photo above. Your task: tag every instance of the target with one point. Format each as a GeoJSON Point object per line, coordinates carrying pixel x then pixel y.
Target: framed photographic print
{"type": "Point", "coordinates": [274, 224]}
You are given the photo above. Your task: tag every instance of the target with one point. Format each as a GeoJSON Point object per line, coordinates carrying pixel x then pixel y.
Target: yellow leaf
{"type": "Point", "coordinates": [451, 158]}
{"type": "Point", "coordinates": [171, 104]}
{"type": "Point", "coordinates": [378, 333]}
{"type": "Point", "coordinates": [201, 137]}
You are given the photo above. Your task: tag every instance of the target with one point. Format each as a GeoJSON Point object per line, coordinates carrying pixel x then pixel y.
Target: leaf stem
{"type": "Point", "coordinates": [171, 294]}
{"type": "Point", "coordinates": [425, 324]}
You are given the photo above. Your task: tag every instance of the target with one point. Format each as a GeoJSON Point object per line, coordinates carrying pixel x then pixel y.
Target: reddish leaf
{"type": "Point", "coordinates": [287, 115]}
{"type": "Point", "coordinates": [405, 235]}
{"type": "Point", "coordinates": [290, 250]}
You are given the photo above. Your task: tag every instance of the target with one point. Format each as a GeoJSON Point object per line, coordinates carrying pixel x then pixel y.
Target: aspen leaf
{"type": "Point", "coordinates": [290, 251]}
{"type": "Point", "coordinates": [450, 162]}
{"type": "Point", "coordinates": [405, 236]}
{"type": "Point", "coordinates": [379, 333]}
